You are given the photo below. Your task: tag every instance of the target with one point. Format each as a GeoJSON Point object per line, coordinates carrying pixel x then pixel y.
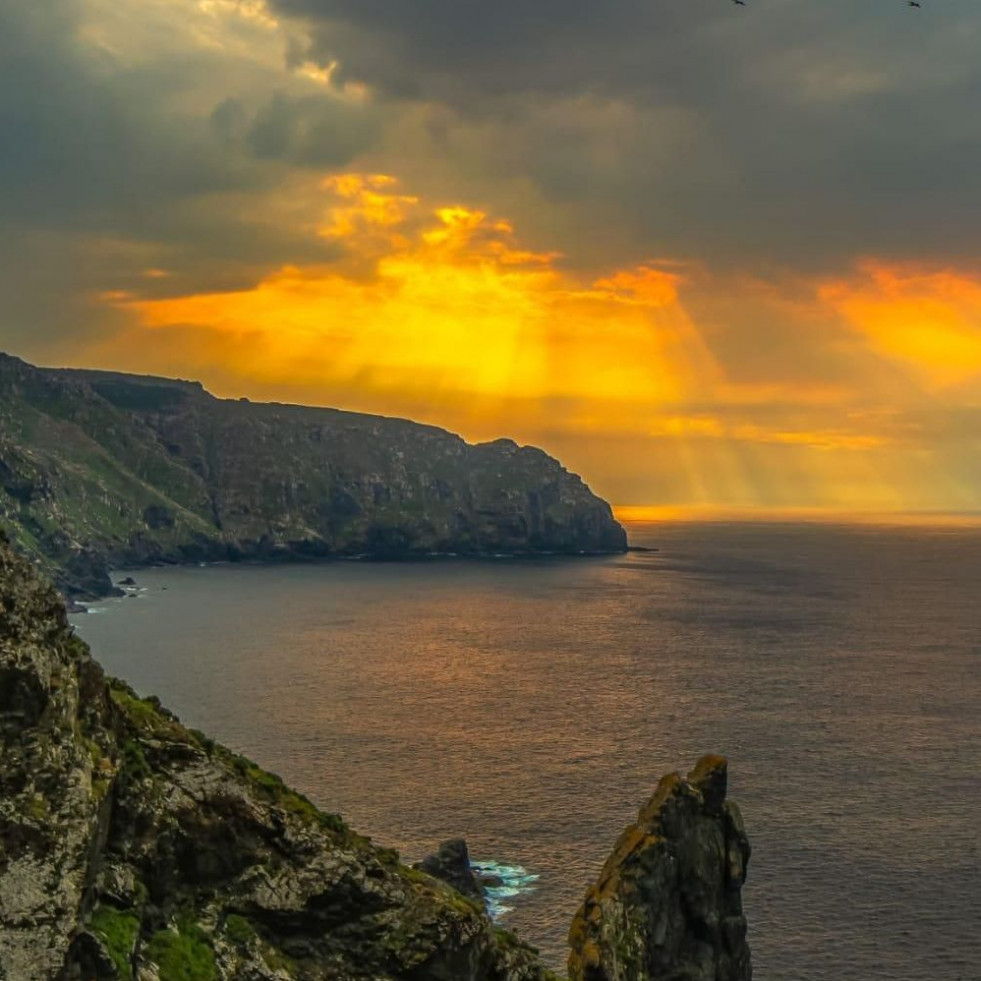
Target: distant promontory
{"type": "Point", "coordinates": [101, 469]}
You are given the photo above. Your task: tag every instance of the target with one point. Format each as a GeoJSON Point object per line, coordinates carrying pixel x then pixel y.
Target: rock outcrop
{"type": "Point", "coordinates": [134, 848]}
{"type": "Point", "coordinates": [451, 863]}
{"type": "Point", "coordinates": [667, 905]}
{"type": "Point", "coordinates": [101, 469]}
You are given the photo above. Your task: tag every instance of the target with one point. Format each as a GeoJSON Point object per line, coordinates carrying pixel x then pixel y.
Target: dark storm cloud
{"type": "Point", "coordinates": [309, 131]}
{"type": "Point", "coordinates": [467, 52]}
{"type": "Point", "coordinates": [789, 132]}
{"type": "Point", "coordinates": [809, 130]}
{"type": "Point", "coordinates": [80, 144]}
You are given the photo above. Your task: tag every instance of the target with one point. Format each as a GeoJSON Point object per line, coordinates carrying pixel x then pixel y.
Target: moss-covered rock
{"type": "Point", "coordinates": [118, 930]}
{"type": "Point", "coordinates": [182, 952]}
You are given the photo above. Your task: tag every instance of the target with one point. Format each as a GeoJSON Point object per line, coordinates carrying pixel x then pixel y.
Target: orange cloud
{"type": "Point", "coordinates": [713, 427]}
{"type": "Point", "coordinates": [453, 308]}
{"type": "Point", "coordinates": [439, 312]}
{"type": "Point", "coordinates": [644, 285]}
{"type": "Point", "coordinates": [929, 322]}
{"type": "Point", "coordinates": [373, 206]}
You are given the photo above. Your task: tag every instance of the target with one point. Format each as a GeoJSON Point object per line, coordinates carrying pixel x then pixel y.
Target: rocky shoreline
{"type": "Point", "coordinates": [135, 849]}
{"type": "Point", "coordinates": [77, 601]}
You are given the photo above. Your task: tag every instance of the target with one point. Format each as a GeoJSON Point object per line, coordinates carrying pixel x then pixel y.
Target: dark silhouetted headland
{"type": "Point", "coordinates": [100, 469]}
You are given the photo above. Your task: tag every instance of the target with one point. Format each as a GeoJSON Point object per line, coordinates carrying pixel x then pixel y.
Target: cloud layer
{"type": "Point", "coordinates": [707, 254]}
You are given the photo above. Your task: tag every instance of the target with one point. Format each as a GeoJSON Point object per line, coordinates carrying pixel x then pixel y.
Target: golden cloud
{"type": "Point", "coordinates": [438, 311]}
{"type": "Point", "coordinates": [928, 322]}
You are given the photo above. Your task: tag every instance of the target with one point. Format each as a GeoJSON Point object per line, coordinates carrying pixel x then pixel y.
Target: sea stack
{"type": "Point", "coordinates": [451, 863]}
{"type": "Point", "coordinates": [668, 903]}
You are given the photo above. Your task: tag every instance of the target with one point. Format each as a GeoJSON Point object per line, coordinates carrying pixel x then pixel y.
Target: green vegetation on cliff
{"type": "Point", "coordinates": [133, 847]}
{"type": "Point", "coordinates": [99, 469]}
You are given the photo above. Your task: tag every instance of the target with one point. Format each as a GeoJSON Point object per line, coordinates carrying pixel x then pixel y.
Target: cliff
{"type": "Point", "coordinates": [135, 849]}
{"type": "Point", "coordinates": [100, 469]}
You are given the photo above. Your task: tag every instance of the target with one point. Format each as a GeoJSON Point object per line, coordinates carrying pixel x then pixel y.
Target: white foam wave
{"type": "Point", "coordinates": [515, 880]}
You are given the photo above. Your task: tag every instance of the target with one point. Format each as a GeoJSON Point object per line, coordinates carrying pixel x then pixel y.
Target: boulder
{"type": "Point", "coordinates": [451, 863]}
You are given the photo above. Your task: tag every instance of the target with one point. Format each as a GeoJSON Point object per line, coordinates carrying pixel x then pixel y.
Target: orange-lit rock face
{"type": "Point", "coordinates": [663, 382]}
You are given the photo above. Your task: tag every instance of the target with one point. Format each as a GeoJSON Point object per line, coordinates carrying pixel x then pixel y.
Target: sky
{"type": "Point", "coordinates": [711, 256]}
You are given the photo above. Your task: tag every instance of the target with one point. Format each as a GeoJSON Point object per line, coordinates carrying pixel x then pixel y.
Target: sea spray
{"type": "Point", "coordinates": [515, 880]}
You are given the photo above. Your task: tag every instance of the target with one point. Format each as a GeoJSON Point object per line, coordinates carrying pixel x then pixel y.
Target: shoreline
{"type": "Point", "coordinates": [78, 604]}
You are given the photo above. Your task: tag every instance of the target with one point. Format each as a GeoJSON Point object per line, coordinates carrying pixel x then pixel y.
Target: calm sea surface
{"type": "Point", "coordinates": [531, 706]}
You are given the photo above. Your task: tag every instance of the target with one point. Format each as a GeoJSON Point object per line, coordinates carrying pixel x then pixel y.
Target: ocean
{"type": "Point", "coordinates": [531, 705]}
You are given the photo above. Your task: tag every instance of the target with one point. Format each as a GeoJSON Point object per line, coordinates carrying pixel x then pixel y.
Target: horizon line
{"type": "Point", "coordinates": [661, 513]}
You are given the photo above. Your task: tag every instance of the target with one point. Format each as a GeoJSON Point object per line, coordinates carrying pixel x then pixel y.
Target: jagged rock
{"type": "Point", "coordinates": [132, 847]}
{"type": "Point", "coordinates": [451, 863]}
{"type": "Point", "coordinates": [51, 809]}
{"type": "Point", "coordinates": [99, 469]}
{"type": "Point", "coordinates": [667, 905]}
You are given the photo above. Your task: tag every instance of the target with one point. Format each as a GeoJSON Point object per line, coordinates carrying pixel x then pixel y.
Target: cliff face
{"type": "Point", "coordinates": [131, 847]}
{"type": "Point", "coordinates": [668, 904]}
{"type": "Point", "coordinates": [135, 849]}
{"type": "Point", "coordinates": [99, 468]}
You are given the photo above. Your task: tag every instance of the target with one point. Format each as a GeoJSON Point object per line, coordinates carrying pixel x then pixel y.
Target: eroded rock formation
{"type": "Point", "coordinates": [668, 904]}
{"type": "Point", "coordinates": [451, 863]}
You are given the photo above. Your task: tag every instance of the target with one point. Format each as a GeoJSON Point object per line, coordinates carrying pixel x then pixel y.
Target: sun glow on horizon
{"type": "Point", "coordinates": [657, 514]}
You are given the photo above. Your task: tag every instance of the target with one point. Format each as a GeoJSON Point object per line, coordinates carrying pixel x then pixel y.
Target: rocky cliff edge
{"type": "Point", "coordinates": [135, 849]}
